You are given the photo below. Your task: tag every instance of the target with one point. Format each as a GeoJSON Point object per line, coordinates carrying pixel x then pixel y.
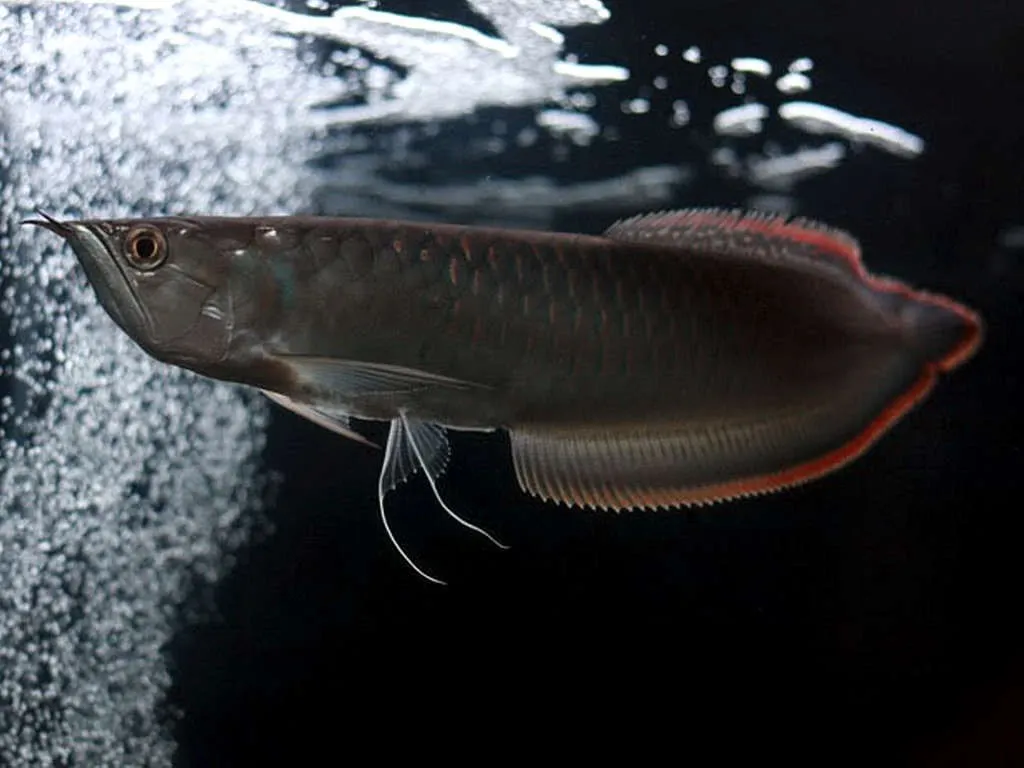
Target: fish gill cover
{"type": "Point", "coordinates": [125, 484]}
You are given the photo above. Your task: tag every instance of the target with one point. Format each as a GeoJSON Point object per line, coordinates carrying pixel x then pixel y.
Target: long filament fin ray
{"type": "Point", "coordinates": [391, 450]}
{"type": "Point", "coordinates": [411, 430]}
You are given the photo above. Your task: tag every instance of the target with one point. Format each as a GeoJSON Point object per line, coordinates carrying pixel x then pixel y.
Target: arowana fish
{"type": "Point", "coordinates": [680, 358]}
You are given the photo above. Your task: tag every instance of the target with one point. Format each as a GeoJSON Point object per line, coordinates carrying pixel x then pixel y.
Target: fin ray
{"type": "Point", "coordinates": [393, 450]}
{"type": "Point", "coordinates": [336, 422]}
{"type": "Point", "coordinates": [761, 236]}
{"type": "Point", "coordinates": [672, 465]}
{"type": "Point", "coordinates": [412, 446]}
{"type": "Point", "coordinates": [357, 378]}
{"type": "Point", "coordinates": [429, 445]}
{"type": "Point", "coordinates": [430, 451]}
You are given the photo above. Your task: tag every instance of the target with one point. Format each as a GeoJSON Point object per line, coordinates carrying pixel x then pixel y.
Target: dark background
{"type": "Point", "coordinates": [873, 614]}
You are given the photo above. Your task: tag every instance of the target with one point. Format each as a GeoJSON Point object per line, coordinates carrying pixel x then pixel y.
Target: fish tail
{"type": "Point", "coordinates": [942, 332]}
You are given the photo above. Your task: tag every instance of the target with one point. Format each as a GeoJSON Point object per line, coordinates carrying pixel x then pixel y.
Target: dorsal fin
{"type": "Point", "coordinates": [761, 236]}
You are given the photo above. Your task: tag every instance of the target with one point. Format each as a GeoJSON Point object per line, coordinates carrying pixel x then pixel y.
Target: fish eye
{"type": "Point", "coordinates": [145, 248]}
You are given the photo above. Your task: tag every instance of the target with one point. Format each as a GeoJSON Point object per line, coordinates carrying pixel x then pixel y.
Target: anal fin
{"type": "Point", "coordinates": [659, 466]}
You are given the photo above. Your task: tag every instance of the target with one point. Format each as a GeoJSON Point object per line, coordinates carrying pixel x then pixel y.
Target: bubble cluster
{"type": "Point", "coordinates": [124, 484]}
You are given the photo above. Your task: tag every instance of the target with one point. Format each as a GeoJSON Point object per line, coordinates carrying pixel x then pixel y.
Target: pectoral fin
{"type": "Point", "coordinates": [336, 422]}
{"type": "Point", "coordinates": [355, 378]}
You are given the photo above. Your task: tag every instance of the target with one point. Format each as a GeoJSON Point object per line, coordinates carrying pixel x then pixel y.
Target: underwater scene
{"type": "Point", "coordinates": [564, 379]}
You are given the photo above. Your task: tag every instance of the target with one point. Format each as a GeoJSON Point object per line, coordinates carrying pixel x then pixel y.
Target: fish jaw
{"type": "Point", "coordinates": [106, 276]}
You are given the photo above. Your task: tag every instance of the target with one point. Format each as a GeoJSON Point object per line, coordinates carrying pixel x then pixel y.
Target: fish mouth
{"type": "Point", "coordinates": [97, 255]}
{"type": "Point", "coordinates": [48, 222]}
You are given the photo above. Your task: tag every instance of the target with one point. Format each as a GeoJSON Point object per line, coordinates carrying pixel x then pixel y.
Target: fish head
{"type": "Point", "coordinates": [164, 287]}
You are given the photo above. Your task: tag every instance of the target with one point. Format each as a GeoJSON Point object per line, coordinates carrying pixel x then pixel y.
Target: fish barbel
{"type": "Point", "coordinates": [680, 358]}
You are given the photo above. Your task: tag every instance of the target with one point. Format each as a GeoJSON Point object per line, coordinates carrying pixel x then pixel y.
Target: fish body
{"type": "Point", "coordinates": [680, 358]}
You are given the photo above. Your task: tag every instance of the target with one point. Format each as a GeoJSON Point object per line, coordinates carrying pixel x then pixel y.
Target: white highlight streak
{"type": "Point", "coordinates": [751, 65]}
{"type": "Point", "coordinates": [793, 82]}
{"type": "Point", "coordinates": [782, 172]}
{"type": "Point", "coordinates": [819, 119]}
{"type": "Point", "coordinates": [744, 120]}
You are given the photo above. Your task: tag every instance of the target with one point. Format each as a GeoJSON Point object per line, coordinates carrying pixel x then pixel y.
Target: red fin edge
{"type": "Point", "coordinates": [974, 335]}
{"type": "Point", "coordinates": [823, 465]}
{"type": "Point", "coordinates": [828, 241]}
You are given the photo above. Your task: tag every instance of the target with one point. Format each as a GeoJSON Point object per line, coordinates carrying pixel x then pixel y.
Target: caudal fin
{"type": "Point", "coordinates": [943, 333]}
